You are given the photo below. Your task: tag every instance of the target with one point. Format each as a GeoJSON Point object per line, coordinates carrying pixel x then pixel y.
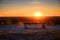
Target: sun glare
{"type": "Point", "coordinates": [38, 14]}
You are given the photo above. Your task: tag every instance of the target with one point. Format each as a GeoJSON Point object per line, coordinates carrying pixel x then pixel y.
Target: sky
{"type": "Point", "coordinates": [29, 7]}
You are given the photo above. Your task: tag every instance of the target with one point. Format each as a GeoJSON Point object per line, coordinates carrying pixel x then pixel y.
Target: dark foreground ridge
{"type": "Point", "coordinates": [47, 35]}
{"type": "Point", "coordinates": [10, 29]}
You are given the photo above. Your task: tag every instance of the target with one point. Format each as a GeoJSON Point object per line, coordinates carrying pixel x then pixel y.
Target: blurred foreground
{"type": "Point", "coordinates": [14, 32]}
{"type": "Point", "coordinates": [29, 30]}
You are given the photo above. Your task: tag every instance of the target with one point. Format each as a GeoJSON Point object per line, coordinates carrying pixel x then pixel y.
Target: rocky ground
{"type": "Point", "coordinates": [46, 35]}
{"type": "Point", "coordinates": [14, 32]}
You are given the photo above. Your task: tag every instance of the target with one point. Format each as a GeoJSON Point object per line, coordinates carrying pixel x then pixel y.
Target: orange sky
{"type": "Point", "coordinates": [29, 10]}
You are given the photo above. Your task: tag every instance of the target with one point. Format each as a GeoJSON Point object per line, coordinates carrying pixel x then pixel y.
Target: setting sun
{"type": "Point", "coordinates": [38, 14]}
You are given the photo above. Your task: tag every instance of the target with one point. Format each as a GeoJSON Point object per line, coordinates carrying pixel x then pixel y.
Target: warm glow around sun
{"type": "Point", "coordinates": [38, 14]}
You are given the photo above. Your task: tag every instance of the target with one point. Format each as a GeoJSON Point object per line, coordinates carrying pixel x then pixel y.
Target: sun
{"type": "Point", "coordinates": [38, 14]}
